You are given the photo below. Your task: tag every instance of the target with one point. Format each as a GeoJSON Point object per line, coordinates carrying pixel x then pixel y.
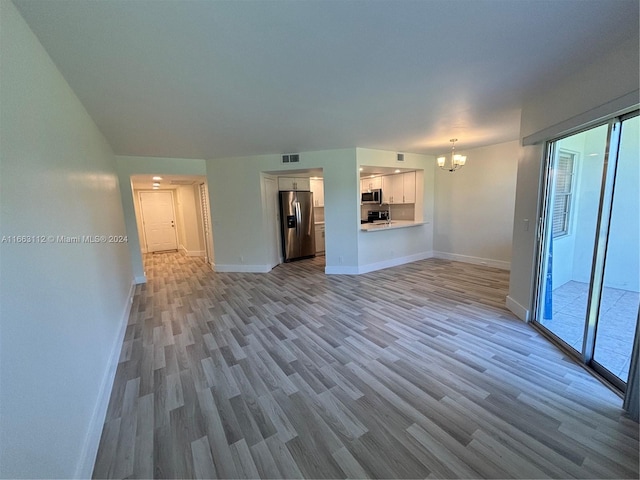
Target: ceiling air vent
{"type": "Point", "coordinates": [401, 157]}
{"type": "Point", "coordinates": [291, 158]}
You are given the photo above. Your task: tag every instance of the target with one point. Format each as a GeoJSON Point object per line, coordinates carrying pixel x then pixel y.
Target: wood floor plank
{"type": "Point", "coordinates": [107, 449]}
{"type": "Point", "coordinates": [220, 450]}
{"type": "Point", "coordinates": [245, 465]}
{"type": "Point", "coordinates": [143, 465]}
{"type": "Point", "coordinates": [264, 461]}
{"type": "Point", "coordinates": [349, 464]}
{"type": "Point", "coordinates": [416, 371]}
{"type": "Point", "coordinates": [203, 465]}
{"type": "Point", "coordinates": [287, 466]}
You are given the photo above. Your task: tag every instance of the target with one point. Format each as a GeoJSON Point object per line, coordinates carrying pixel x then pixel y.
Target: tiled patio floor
{"type": "Point", "coordinates": [618, 316]}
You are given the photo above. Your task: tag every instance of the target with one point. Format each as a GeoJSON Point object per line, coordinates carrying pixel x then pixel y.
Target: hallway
{"type": "Point", "coordinates": [409, 372]}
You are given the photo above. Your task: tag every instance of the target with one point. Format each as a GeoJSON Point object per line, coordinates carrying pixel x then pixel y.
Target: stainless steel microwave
{"type": "Point", "coordinates": [372, 196]}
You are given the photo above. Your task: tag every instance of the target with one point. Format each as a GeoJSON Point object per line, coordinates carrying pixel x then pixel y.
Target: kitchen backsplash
{"type": "Point", "coordinates": [398, 212]}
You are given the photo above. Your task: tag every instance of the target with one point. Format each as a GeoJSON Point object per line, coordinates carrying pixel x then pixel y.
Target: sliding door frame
{"type": "Point", "coordinates": [545, 236]}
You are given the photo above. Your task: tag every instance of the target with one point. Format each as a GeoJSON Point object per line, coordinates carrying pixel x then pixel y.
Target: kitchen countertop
{"type": "Point", "coordinates": [378, 226]}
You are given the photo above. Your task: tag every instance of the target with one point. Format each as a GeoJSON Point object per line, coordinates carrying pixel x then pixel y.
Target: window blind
{"type": "Point", "coordinates": [563, 191]}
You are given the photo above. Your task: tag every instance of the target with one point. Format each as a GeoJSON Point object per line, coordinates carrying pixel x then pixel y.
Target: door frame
{"type": "Point", "coordinates": [543, 230]}
{"type": "Point", "coordinates": [207, 229]}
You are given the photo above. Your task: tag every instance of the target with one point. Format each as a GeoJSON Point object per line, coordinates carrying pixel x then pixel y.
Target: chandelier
{"type": "Point", "coordinates": [457, 161]}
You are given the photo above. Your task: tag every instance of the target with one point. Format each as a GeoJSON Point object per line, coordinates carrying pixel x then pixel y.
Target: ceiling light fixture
{"type": "Point", "coordinates": [457, 161]}
{"type": "Point", "coordinates": [156, 184]}
{"type": "Point", "coordinates": [157, 178]}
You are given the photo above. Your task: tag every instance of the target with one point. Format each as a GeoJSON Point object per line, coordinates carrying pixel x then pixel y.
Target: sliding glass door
{"type": "Point", "coordinates": [589, 271]}
{"type": "Point", "coordinates": [618, 311]}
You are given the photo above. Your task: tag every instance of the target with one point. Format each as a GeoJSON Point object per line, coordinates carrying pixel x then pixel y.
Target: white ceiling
{"type": "Point", "coordinates": [206, 79]}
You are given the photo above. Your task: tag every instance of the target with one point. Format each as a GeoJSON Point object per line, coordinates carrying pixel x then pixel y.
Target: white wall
{"type": "Point", "coordinates": [606, 86]}
{"type": "Point", "coordinates": [64, 306]}
{"type": "Point", "coordinates": [181, 235]}
{"type": "Point", "coordinates": [474, 206]}
{"type": "Point", "coordinates": [126, 167]}
{"type": "Point", "coordinates": [191, 243]}
{"type": "Point", "coordinates": [241, 230]}
{"type": "Point", "coordinates": [238, 218]}
{"type": "Point", "coordinates": [381, 249]}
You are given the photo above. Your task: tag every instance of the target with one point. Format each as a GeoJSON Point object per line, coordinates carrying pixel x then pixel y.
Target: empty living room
{"type": "Point", "coordinates": [465, 174]}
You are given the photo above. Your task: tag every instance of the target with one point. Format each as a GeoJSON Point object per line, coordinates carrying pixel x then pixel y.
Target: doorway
{"type": "Point", "coordinates": [158, 221]}
{"type": "Point", "coordinates": [588, 291]}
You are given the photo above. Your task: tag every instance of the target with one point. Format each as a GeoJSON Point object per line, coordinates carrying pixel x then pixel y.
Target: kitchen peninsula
{"type": "Point", "coordinates": [404, 211]}
{"type": "Point", "coordinates": [392, 225]}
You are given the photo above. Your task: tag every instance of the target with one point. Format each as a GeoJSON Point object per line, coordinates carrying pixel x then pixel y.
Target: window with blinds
{"type": "Point", "coordinates": [563, 192]}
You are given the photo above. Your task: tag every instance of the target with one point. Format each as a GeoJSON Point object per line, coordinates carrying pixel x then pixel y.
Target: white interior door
{"type": "Point", "coordinates": [158, 218]}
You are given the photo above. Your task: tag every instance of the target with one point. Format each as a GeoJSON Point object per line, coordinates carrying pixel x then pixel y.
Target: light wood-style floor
{"type": "Point", "coordinates": [416, 371]}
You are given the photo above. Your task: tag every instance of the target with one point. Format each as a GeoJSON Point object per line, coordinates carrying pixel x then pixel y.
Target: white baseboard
{"type": "Point", "coordinates": [85, 467]}
{"type": "Point", "coordinates": [341, 270]}
{"type": "Point", "coordinates": [191, 253]}
{"type": "Point", "coordinates": [519, 311]}
{"type": "Point", "coordinates": [489, 262]}
{"type": "Point", "coordinates": [241, 268]}
{"type": "Point", "coordinates": [394, 262]}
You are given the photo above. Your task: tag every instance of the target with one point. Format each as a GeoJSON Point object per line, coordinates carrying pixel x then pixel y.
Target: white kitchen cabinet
{"type": "Point", "coordinates": [409, 187]}
{"type": "Point", "coordinates": [399, 188]}
{"type": "Point", "coordinates": [319, 229]}
{"type": "Point", "coordinates": [392, 189]}
{"type": "Point", "coordinates": [370, 183]}
{"type": "Point", "coordinates": [317, 187]}
{"type": "Point", "coordinates": [294, 183]}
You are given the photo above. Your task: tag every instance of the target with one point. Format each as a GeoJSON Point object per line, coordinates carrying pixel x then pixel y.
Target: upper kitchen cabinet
{"type": "Point", "coordinates": [317, 187]}
{"type": "Point", "coordinates": [392, 189]}
{"type": "Point", "coordinates": [294, 183]}
{"type": "Point", "coordinates": [399, 188]}
{"type": "Point", "coordinates": [370, 183]}
{"type": "Point", "coordinates": [409, 187]}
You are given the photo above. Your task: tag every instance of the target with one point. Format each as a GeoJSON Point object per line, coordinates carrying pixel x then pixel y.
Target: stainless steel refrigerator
{"type": "Point", "coordinates": [296, 218]}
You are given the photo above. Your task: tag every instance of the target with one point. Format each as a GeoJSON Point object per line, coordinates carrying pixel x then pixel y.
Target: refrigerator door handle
{"type": "Point", "coordinates": [298, 218]}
